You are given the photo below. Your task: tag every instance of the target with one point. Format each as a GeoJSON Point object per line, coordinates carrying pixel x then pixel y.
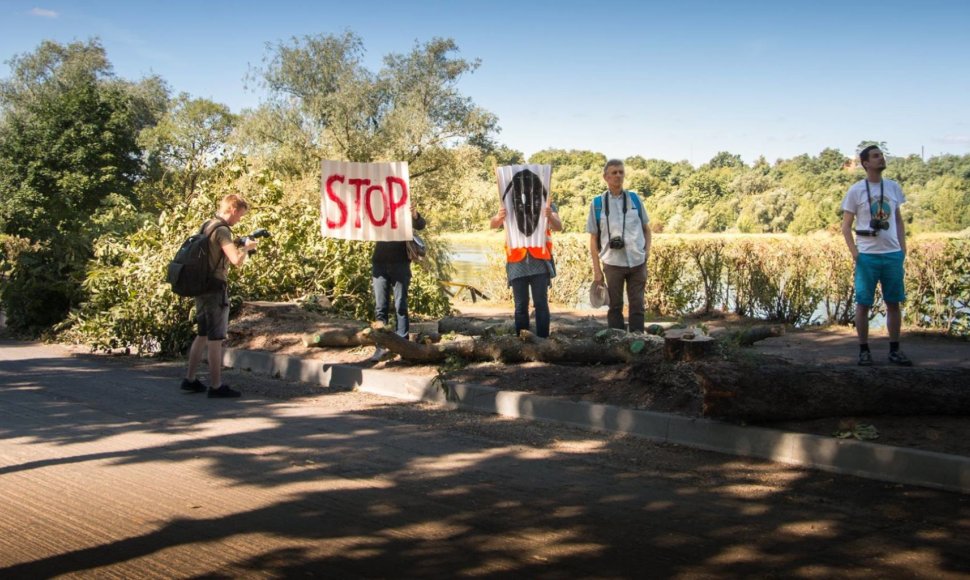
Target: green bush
{"type": "Point", "coordinates": [938, 285]}
{"type": "Point", "coordinates": [673, 287]}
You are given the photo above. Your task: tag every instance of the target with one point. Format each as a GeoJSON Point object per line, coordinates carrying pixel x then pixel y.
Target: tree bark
{"type": "Point", "coordinates": [334, 335]}
{"type": "Point", "coordinates": [610, 348]}
{"type": "Point", "coordinates": [749, 336]}
{"type": "Point", "coordinates": [504, 326]}
{"type": "Point", "coordinates": [776, 390]}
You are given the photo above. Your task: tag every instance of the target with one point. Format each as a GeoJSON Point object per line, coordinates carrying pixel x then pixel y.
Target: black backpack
{"type": "Point", "coordinates": [189, 272]}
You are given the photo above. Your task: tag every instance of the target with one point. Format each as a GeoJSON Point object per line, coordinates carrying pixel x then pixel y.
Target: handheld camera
{"type": "Point", "coordinates": [878, 224]}
{"type": "Point", "coordinates": [260, 233]}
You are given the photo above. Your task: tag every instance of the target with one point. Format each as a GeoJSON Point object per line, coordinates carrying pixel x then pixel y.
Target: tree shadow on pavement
{"type": "Point", "coordinates": [348, 485]}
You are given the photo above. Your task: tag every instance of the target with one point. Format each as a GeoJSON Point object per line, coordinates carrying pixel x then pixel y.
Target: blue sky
{"type": "Point", "coordinates": [671, 80]}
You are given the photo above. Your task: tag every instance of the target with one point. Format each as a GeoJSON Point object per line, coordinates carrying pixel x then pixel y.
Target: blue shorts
{"type": "Point", "coordinates": [884, 269]}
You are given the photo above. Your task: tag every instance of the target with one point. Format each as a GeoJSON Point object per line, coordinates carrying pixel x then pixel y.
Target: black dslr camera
{"type": "Point", "coordinates": [878, 224]}
{"type": "Point", "coordinates": [260, 233]}
{"type": "Point", "coordinates": [875, 224]}
{"type": "Point", "coordinates": [616, 243]}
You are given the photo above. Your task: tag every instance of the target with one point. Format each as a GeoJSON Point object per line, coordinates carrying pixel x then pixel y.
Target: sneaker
{"type": "Point", "coordinates": [193, 386]}
{"type": "Point", "coordinates": [223, 392]}
{"type": "Point", "coordinates": [898, 358]}
{"type": "Point", "coordinates": [865, 359]}
{"type": "Point", "coordinates": [381, 354]}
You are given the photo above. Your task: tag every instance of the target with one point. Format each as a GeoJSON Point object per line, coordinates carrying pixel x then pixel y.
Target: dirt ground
{"type": "Point", "coordinates": [280, 329]}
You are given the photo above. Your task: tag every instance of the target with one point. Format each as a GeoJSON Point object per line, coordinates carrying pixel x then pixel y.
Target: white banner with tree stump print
{"type": "Point", "coordinates": [525, 194]}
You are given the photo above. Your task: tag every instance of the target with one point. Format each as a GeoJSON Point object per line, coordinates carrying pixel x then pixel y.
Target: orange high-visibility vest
{"type": "Point", "coordinates": [518, 254]}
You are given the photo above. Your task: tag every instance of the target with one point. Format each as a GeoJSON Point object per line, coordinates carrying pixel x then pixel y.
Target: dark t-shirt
{"type": "Point", "coordinates": [395, 252]}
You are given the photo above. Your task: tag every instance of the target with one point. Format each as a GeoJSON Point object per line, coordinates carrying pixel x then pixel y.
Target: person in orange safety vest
{"type": "Point", "coordinates": [531, 270]}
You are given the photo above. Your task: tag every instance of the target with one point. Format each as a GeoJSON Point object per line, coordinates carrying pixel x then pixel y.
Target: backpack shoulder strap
{"type": "Point", "coordinates": [637, 204]}
{"type": "Point", "coordinates": [210, 226]}
{"type": "Point", "coordinates": [598, 210]}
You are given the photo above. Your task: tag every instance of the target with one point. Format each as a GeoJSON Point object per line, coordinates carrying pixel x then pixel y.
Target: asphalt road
{"type": "Point", "coordinates": [108, 470]}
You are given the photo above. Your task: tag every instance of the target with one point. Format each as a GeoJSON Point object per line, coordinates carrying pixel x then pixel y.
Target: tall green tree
{"type": "Point", "coordinates": [332, 106]}
{"type": "Point", "coordinates": [865, 143]}
{"type": "Point", "coordinates": [189, 140]}
{"type": "Point", "coordinates": [68, 132]}
{"type": "Point", "coordinates": [724, 159]}
{"type": "Point", "coordinates": [579, 158]}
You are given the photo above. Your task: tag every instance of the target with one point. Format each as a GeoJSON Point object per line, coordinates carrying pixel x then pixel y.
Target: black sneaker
{"type": "Point", "coordinates": [898, 358]}
{"type": "Point", "coordinates": [194, 386]}
{"type": "Point", "coordinates": [865, 359]}
{"type": "Point", "coordinates": [223, 392]}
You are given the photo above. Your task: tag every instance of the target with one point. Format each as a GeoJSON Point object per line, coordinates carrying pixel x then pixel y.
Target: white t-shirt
{"type": "Point", "coordinates": [864, 207]}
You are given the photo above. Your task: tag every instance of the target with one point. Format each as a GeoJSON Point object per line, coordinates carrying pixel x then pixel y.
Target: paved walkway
{"type": "Point", "coordinates": [108, 470]}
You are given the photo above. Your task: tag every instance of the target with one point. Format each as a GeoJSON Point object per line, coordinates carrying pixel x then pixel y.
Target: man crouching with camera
{"type": "Point", "coordinates": [619, 238]}
{"type": "Point", "coordinates": [877, 241]}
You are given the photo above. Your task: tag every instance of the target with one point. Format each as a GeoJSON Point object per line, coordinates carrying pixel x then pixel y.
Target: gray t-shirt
{"type": "Point", "coordinates": [629, 226]}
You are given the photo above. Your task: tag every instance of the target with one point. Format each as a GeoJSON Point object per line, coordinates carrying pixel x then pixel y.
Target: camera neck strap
{"type": "Point", "coordinates": [606, 203]}
{"type": "Point", "coordinates": [882, 197]}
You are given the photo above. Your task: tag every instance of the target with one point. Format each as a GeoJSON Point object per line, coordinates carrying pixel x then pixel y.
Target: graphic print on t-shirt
{"type": "Point", "coordinates": [880, 210]}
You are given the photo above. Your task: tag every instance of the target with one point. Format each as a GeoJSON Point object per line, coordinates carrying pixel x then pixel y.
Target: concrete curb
{"type": "Point", "coordinates": [869, 460]}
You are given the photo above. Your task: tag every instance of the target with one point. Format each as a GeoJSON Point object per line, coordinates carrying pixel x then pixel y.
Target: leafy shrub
{"type": "Point", "coordinates": [938, 285]}
{"type": "Point", "coordinates": [673, 287]}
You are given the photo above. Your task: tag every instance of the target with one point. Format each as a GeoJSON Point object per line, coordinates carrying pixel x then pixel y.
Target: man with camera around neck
{"type": "Point", "coordinates": [877, 242]}
{"type": "Point", "coordinates": [619, 239]}
{"type": "Point", "coordinates": [212, 308]}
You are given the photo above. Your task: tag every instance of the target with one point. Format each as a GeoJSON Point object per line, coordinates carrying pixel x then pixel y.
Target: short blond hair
{"type": "Point", "coordinates": [233, 202]}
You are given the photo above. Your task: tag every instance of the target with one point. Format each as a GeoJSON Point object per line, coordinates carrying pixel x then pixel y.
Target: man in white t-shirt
{"type": "Point", "coordinates": [877, 242]}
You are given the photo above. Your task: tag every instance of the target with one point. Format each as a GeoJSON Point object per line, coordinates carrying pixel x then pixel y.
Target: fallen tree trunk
{"type": "Point", "coordinates": [617, 347]}
{"type": "Point", "coordinates": [468, 326]}
{"type": "Point", "coordinates": [775, 390]}
{"type": "Point", "coordinates": [339, 334]}
{"type": "Point", "coordinates": [580, 342]}
{"type": "Point", "coordinates": [349, 334]}
{"type": "Point", "coordinates": [749, 336]}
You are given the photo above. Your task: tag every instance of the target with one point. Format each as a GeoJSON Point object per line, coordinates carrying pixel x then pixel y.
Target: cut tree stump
{"type": "Point", "coordinates": [776, 390]}
{"type": "Point", "coordinates": [687, 345]}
